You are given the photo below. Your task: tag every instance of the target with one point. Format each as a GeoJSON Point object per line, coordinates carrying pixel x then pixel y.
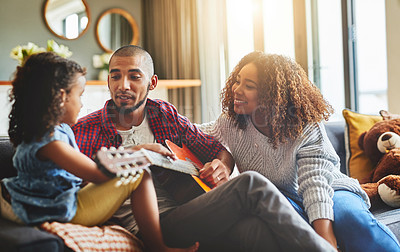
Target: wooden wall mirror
{"type": "Point", "coordinates": [67, 19]}
{"type": "Point", "coordinates": [116, 28]}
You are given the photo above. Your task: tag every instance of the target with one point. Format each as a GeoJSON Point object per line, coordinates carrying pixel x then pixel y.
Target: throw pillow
{"type": "Point", "coordinates": [358, 164]}
{"type": "Point", "coordinates": [104, 238]}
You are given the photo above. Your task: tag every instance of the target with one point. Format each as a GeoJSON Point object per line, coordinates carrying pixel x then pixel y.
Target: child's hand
{"type": "Point", "coordinates": [156, 147]}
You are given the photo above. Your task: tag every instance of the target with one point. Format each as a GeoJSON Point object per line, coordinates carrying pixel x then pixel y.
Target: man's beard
{"type": "Point", "coordinates": [127, 110]}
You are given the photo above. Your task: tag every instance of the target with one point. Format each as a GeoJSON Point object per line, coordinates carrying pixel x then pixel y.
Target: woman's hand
{"type": "Point", "coordinates": [217, 171]}
{"type": "Point", "coordinates": [324, 228]}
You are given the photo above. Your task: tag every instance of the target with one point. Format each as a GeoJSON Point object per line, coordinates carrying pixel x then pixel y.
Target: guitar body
{"type": "Point", "coordinates": [183, 187]}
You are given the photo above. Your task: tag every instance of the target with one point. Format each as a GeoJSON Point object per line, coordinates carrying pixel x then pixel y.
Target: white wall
{"type": "Point", "coordinates": [93, 99]}
{"type": "Point", "coordinates": [4, 110]}
{"type": "Point", "coordinates": [21, 21]}
{"type": "Point", "coordinates": [393, 54]}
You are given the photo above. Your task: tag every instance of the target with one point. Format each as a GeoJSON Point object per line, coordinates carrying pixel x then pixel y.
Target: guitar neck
{"type": "Point", "coordinates": [116, 163]}
{"type": "Point", "coordinates": [120, 163]}
{"type": "Point", "coordinates": [166, 162]}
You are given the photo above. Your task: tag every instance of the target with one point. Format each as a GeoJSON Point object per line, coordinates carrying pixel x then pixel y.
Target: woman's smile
{"type": "Point", "coordinates": [239, 102]}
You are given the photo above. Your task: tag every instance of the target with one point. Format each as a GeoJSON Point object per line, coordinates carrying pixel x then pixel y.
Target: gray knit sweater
{"type": "Point", "coordinates": [306, 169]}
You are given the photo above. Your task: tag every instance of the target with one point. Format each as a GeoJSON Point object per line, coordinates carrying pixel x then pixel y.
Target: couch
{"type": "Point", "coordinates": [385, 214]}
{"type": "Point", "coordinates": [14, 237]}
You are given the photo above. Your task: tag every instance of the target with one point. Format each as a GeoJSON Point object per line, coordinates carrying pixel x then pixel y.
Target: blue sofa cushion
{"type": "Point", "coordinates": [335, 132]}
{"type": "Point", "coordinates": [14, 237]}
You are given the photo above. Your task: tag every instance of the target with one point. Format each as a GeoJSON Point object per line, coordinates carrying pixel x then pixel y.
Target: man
{"type": "Point", "coordinates": [247, 213]}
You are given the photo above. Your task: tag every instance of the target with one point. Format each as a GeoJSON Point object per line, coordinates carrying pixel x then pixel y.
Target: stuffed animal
{"type": "Point", "coordinates": [382, 145]}
{"type": "Point", "coordinates": [382, 136]}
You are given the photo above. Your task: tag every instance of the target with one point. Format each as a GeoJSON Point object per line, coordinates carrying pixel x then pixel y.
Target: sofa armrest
{"type": "Point", "coordinates": [6, 152]}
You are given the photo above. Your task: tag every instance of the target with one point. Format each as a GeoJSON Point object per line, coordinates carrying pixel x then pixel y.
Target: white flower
{"type": "Point", "coordinates": [16, 53]}
{"type": "Point", "coordinates": [61, 50]}
{"type": "Point", "coordinates": [101, 61]}
{"type": "Point", "coordinates": [105, 57]}
{"type": "Point", "coordinates": [97, 63]}
{"type": "Point", "coordinates": [31, 48]}
{"type": "Point", "coordinates": [21, 53]}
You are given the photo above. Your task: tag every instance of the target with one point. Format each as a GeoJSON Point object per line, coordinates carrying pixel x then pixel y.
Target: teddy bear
{"type": "Point", "coordinates": [381, 143]}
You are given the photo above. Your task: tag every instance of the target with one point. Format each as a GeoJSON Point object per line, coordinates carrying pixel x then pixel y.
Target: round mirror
{"type": "Point", "coordinates": [67, 19]}
{"type": "Point", "coordinates": [116, 28]}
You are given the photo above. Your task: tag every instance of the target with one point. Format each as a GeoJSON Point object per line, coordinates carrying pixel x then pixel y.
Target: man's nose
{"type": "Point", "coordinates": [125, 84]}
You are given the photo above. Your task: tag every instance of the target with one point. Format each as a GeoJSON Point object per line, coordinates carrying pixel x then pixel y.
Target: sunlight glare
{"type": "Point", "coordinates": [240, 30]}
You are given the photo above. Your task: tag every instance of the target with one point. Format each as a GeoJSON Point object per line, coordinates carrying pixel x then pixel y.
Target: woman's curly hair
{"type": "Point", "coordinates": [36, 95]}
{"type": "Point", "coordinates": [287, 98]}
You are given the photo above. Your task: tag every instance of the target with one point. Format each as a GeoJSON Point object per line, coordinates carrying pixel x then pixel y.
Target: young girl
{"type": "Point", "coordinates": [46, 100]}
{"type": "Point", "coordinates": [276, 114]}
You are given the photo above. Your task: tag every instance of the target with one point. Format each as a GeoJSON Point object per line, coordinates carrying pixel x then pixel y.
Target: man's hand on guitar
{"type": "Point", "coordinates": [215, 172]}
{"type": "Point", "coordinates": [156, 147]}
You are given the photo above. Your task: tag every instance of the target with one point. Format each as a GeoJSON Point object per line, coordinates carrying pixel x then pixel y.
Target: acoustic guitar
{"type": "Point", "coordinates": [179, 177]}
{"type": "Point", "coordinates": [124, 164]}
{"type": "Point", "coordinates": [182, 186]}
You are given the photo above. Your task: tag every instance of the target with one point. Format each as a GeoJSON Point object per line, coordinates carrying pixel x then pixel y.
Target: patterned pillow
{"type": "Point", "coordinates": [104, 238]}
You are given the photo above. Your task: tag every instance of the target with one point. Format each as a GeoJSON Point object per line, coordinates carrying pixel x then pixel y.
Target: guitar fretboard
{"type": "Point", "coordinates": [168, 163]}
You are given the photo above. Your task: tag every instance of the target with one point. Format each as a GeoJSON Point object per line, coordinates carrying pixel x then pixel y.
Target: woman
{"type": "Point", "coordinates": [276, 114]}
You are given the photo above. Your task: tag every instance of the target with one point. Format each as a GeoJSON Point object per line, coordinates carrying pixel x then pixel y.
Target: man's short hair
{"type": "Point", "coordinates": [133, 50]}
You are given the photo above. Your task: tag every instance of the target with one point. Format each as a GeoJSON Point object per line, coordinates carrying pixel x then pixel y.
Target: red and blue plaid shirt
{"type": "Point", "coordinates": [96, 130]}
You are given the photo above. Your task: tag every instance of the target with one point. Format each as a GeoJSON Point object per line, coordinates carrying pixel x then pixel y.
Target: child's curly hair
{"type": "Point", "coordinates": [36, 95]}
{"type": "Point", "coordinates": [287, 98]}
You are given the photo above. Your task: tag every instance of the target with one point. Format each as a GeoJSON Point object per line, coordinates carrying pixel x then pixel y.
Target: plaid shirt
{"type": "Point", "coordinates": [96, 130]}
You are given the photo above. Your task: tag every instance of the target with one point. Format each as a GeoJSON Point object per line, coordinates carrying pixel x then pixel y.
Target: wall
{"type": "Point", "coordinates": [21, 21]}
{"type": "Point", "coordinates": [393, 54]}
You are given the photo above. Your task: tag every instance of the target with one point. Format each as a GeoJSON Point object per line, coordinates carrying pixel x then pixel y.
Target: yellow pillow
{"type": "Point", "coordinates": [358, 164]}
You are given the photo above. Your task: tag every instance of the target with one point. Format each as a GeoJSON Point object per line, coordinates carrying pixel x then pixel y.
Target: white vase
{"type": "Point", "coordinates": [103, 75]}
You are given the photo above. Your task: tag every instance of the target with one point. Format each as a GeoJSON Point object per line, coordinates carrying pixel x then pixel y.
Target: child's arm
{"type": "Point", "coordinates": [71, 160]}
{"type": "Point", "coordinates": [79, 164]}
